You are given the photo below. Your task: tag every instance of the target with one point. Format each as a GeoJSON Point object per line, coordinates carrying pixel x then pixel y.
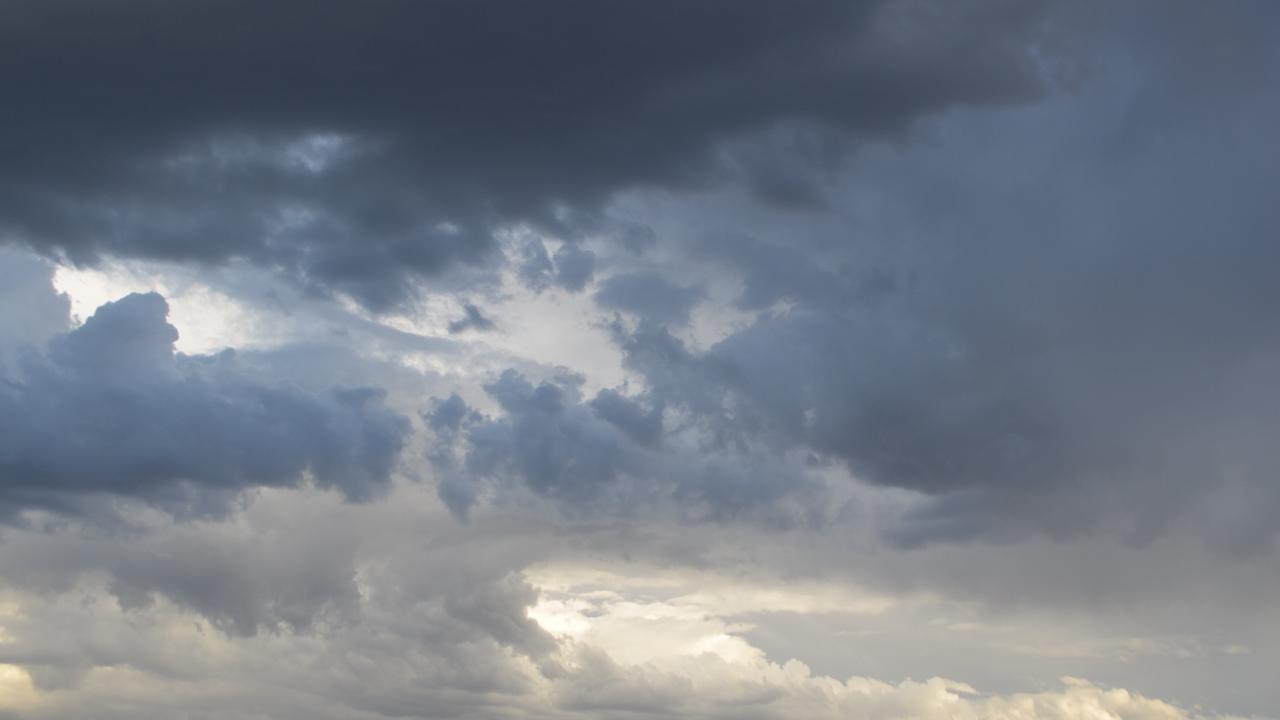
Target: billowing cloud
{"type": "Point", "coordinates": [110, 408]}
{"type": "Point", "coordinates": [889, 359]}
{"type": "Point", "coordinates": [609, 454]}
{"type": "Point", "coordinates": [1077, 341]}
{"type": "Point", "coordinates": [359, 148]}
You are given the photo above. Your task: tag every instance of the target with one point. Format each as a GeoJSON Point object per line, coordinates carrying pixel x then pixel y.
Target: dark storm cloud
{"type": "Point", "coordinates": [110, 408]}
{"type": "Point", "coordinates": [359, 146]}
{"type": "Point", "coordinates": [1054, 320]}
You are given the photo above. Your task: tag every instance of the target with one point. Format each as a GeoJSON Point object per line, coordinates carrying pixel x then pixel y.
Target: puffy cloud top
{"type": "Point", "coordinates": [110, 407]}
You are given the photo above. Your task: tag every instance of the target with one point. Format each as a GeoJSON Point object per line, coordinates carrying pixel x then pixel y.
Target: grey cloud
{"type": "Point", "coordinates": [637, 238]}
{"type": "Point", "coordinates": [1080, 340]}
{"type": "Point", "coordinates": [608, 455]}
{"type": "Point", "coordinates": [1037, 338]}
{"type": "Point", "coordinates": [30, 312]}
{"type": "Point", "coordinates": [359, 148]}
{"type": "Point", "coordinates": [643, 425]}
{"type": "Point", "coordinates": [111, 408]}
{"type": "Point", "coordinates": [575, 266]}
{"type": "Point", "coordinates": [548, 439]}
{"type": "Point", "coordinates": [571, 268]}
{"type": "Point", "coordinates": [413, 611]}
{"type": "Point", "coordinates": [777, 271]}
{"type": "Point", "coordinates": [284, 581]}
{"type": "Point", "coordinates": [448, 414]}
{"type": "Point", "coordinates": [1091, 352]}
{"type": "Point", "coordinates": [649, 295]}
{"type": "Point", "coordinates": [472, 319]}
{"type": "Point", "coordinates": [535, 267]}
{"type": "Point", "coordinates": [375, 621]}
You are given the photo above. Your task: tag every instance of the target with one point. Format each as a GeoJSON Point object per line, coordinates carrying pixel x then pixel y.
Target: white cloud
{"type": "Point", "coordinates": [404, 613]}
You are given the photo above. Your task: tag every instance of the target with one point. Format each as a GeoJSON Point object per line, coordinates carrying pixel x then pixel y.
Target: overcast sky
{"type": "Point", "coordinates": [630, 359]}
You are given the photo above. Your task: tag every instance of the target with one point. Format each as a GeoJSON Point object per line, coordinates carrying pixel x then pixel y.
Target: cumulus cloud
{"type": "Point", "coordinates": [608, 454]}
{"type": "Point", "coordinates": [109, 408]}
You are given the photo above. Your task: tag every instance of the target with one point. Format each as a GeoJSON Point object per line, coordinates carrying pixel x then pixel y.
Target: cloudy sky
{"type": "Point", "coordinates": [568, 359]}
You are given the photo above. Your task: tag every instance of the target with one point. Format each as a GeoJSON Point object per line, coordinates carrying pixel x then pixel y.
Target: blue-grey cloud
{"type": "Point", "coordinates": [110, 408]}
{"type": "Point", "coordinates": [1079, 342]}
{"type": "Point", "coordinates": [472, 319]}
{"type": "Point", "coordinates": [30, 312]}
{"type": "Point", "coordinates": [611, 454]}
{"type": "Point", "coordinates": [649, 295]}
{"type": "Point", "coordinates": [575, 266]}
{"type": "Point", "coordinates": [570, 269]}
{"type": "Point", "coordinates": [358, 148]}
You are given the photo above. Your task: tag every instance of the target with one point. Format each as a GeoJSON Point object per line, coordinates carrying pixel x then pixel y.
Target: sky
{"type": "Point", "coordinates": [631, 360]}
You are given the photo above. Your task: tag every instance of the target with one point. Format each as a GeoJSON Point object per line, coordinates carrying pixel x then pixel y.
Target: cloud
{"type": "Point", "coordinates": [296, 606]}
{"type": "Point", "coordinates": [571, 268]}
{"type": "Point", "coordinates": [887, 359]}
{"type": "Point", "coordinates": [429, 631]}
{"type": "Point", "coordinates": [1048, 320]}
{"type": "Point", "coordinates": [649, 295]}
{"type": "Point", "coordinates": [608, 455]}
{"type": "Point", "coordinates": [575, 266]}
{"type": "Point", "coordinates": [30, 312]}
{"type": "Point", "coordinates": [384, 145]}
{"type": "Point", "coordinates": [472, 319]}
{"type": "Point", "coordinates": [722, 689]}
{"type": "Point", "coordinates": [110, 408]}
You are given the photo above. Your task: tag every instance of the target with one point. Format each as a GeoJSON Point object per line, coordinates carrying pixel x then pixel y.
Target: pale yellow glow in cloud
{"type": "Point", "coordinates": [16, 689]}
{"type": "Point", "coordinates": [650, 614]}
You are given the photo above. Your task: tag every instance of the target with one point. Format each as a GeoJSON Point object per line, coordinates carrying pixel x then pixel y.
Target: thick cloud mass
{"type": "Point", "coordinates": [621, 359]}
{"type": "Point", "coordinates": [29, 313]}
{"type": "Point", "coordinates": [111, 408]}
{"type": "Point", "coordinates": [358, 146]}
{"type": "Point", "coordinates": [1056, 319]}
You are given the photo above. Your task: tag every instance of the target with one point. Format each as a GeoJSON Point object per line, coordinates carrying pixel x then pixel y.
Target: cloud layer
{"type": "Point", "coordinates": [567, 359]}
{"type": "Point", "coordinates": [359, 149]}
